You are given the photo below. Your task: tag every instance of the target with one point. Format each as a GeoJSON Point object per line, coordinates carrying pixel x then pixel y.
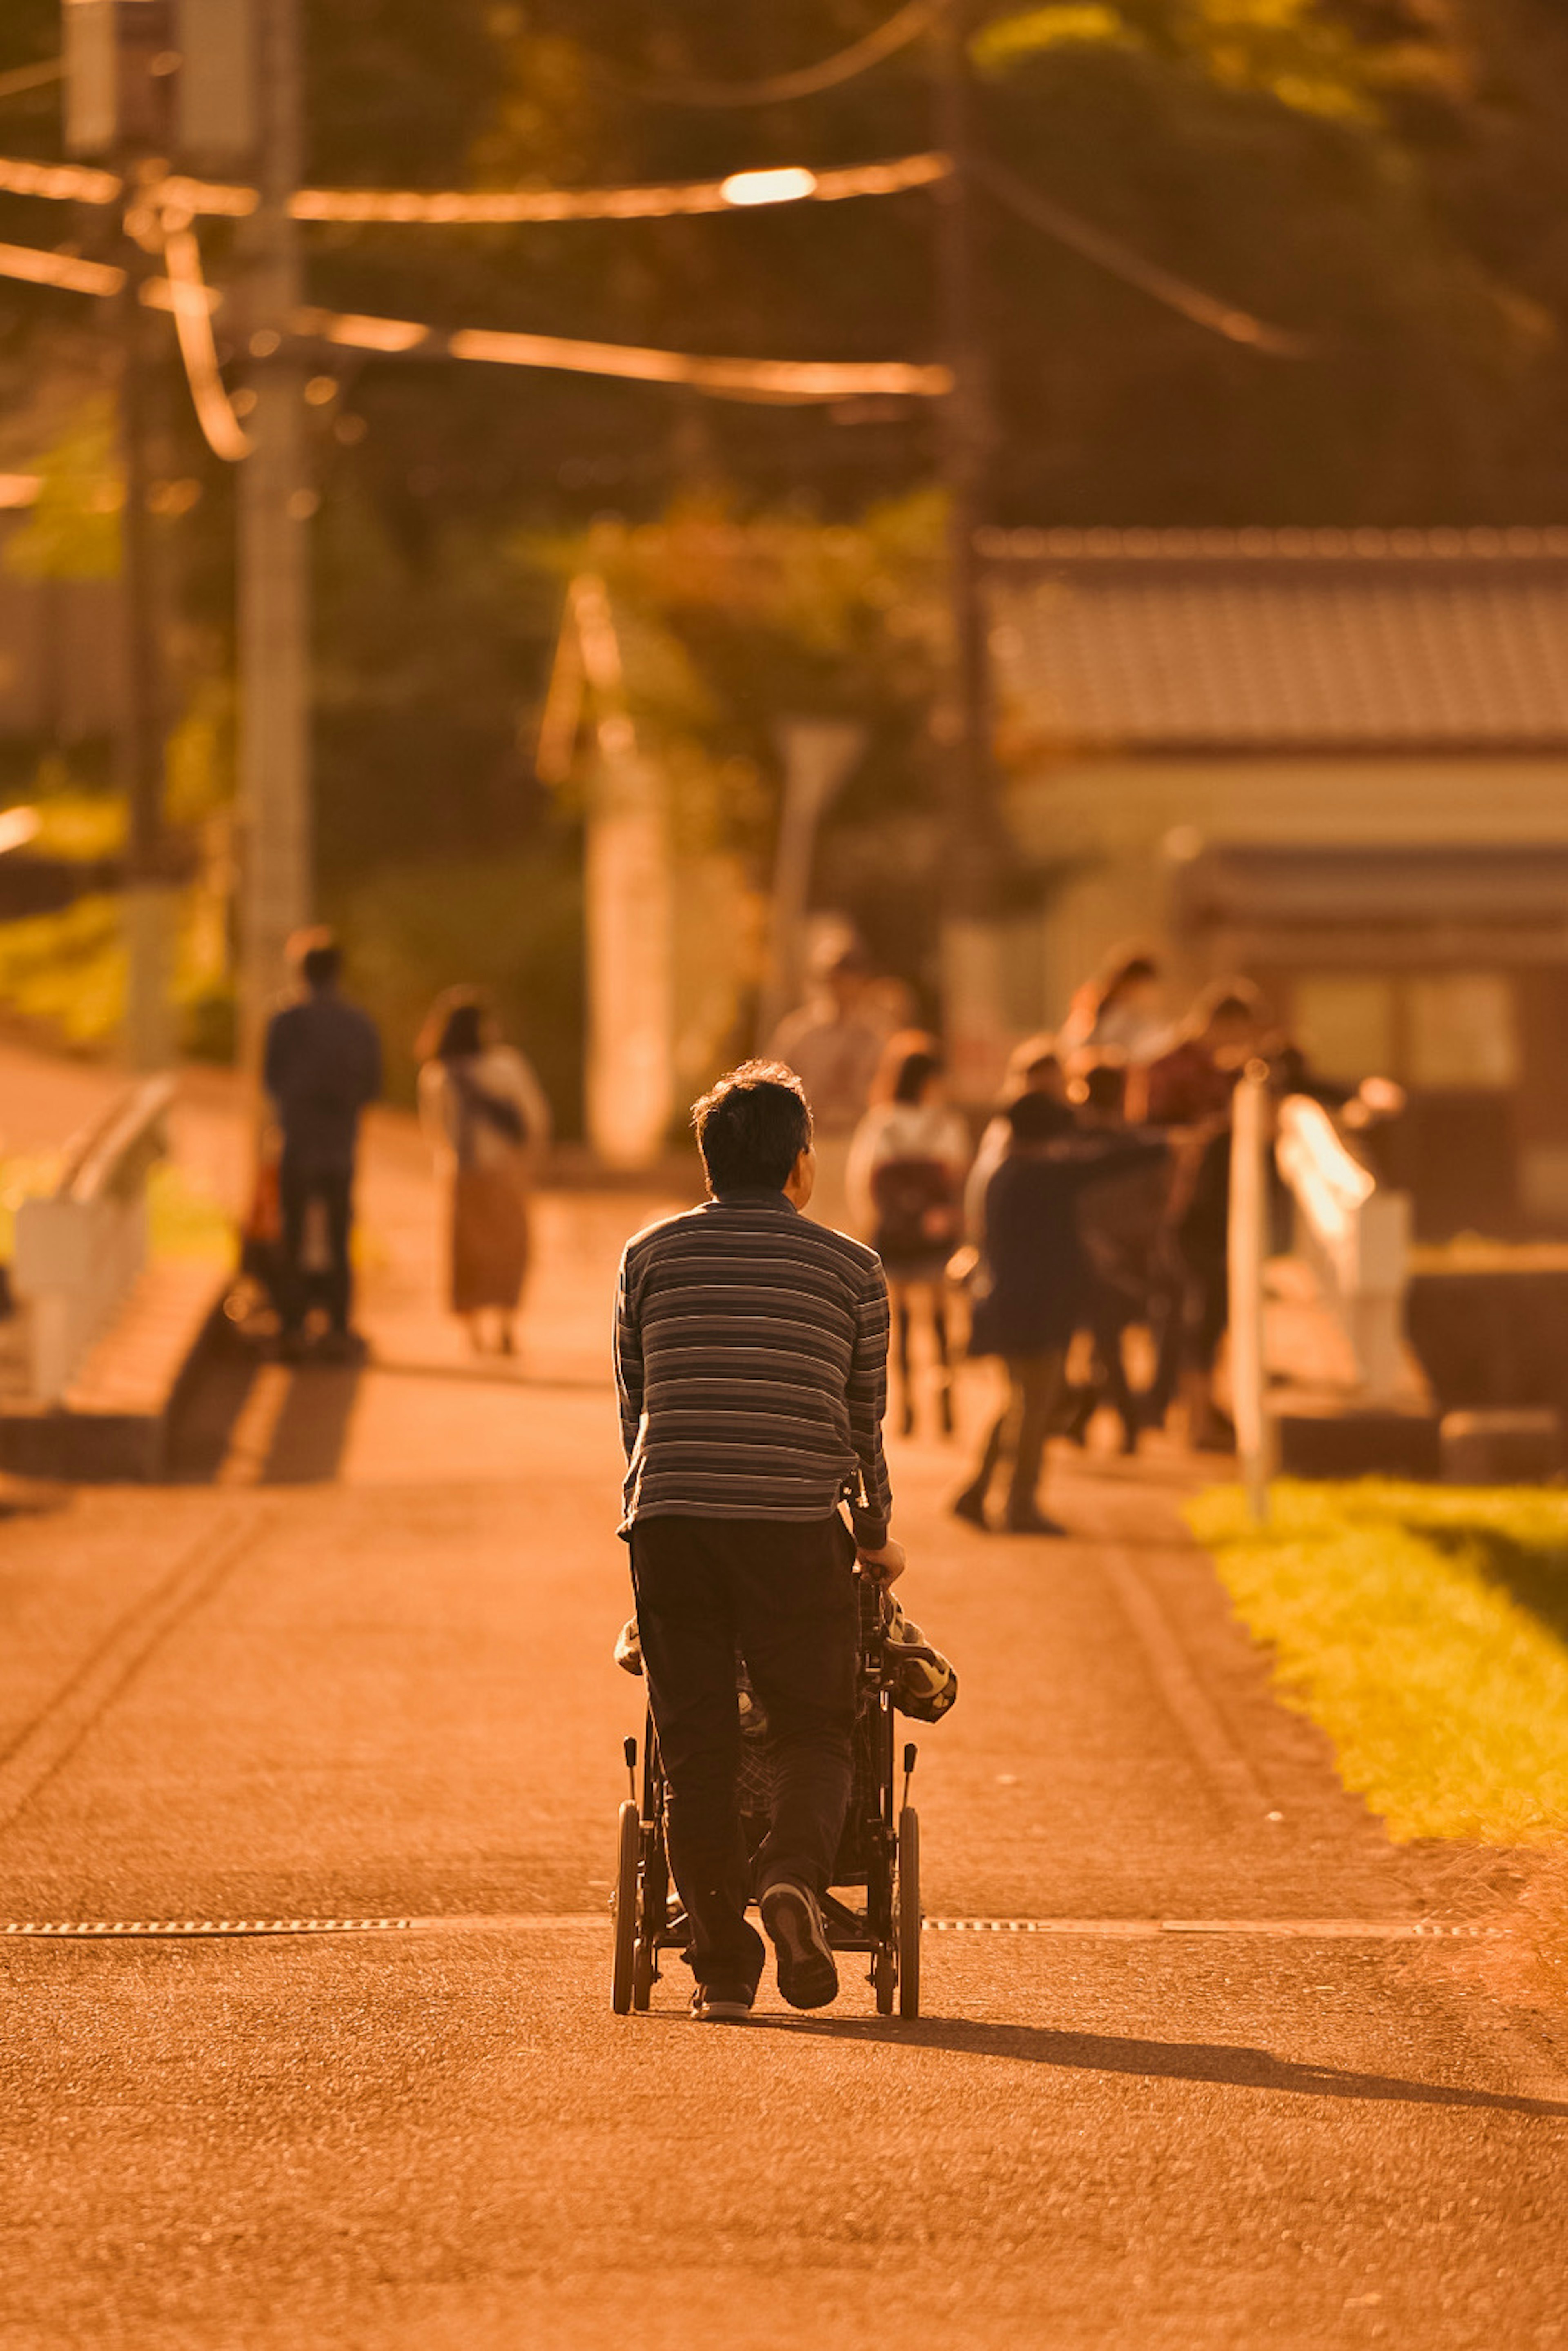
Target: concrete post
{"type": "Point", "coordinates": [276, 504]}
{"type": "Point", "coordinates": [1249, 1244]}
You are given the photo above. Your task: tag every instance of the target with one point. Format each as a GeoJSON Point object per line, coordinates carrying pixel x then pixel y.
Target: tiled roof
{"type": "Point", "coordinates": [1291, 640]}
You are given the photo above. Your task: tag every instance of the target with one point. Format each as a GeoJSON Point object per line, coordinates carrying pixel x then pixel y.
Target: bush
{"type": "Point", "coordinates": [511, 924]}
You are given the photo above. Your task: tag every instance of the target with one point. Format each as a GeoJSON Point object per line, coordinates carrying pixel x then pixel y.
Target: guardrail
{"type": "Point", "coordinates": [78, 1251]}
{"type": "Point", "coordinates": [1355, 1236]}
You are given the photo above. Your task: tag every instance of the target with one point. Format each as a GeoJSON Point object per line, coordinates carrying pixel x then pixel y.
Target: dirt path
{"type": "Point", "coordinates": [364, 1672]}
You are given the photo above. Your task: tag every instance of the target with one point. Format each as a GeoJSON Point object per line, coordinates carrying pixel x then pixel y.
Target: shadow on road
{"type": "Point", "coordinates": [311, 1430]}
{"type": "Point", "coordinates": [496, 1375]}
{"type": "Point", "coordinates": [302, 1434]}
{"type": "Point", "coordinates": [1175, 2061]}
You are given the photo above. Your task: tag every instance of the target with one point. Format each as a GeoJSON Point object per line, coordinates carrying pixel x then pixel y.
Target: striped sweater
{"type": "Point", "coordinates": [752, 1364]}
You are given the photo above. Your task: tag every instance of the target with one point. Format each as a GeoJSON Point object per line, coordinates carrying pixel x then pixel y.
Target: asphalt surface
{"type": "Point", "coordinates": [357, 1666]}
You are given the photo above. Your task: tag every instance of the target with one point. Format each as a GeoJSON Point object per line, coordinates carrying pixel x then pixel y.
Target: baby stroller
{"type": "Point", "coordinates": [879, 1854]}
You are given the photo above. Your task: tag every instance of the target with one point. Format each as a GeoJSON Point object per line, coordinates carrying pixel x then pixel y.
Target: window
{"type": "Point", "coordinates": [1345, 1025]}
{"type": "Point", "coordinates": [1440, 1031]}
{"type": "Point", "coordinates": [1461, 1030]}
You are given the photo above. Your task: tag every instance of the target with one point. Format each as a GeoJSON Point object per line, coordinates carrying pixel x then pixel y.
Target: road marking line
{"type": "Point", "coordinates": [53, 1734]}
{"type": "Point", "coordinates": [1189, 1702]}
{"type": "Point", "coordinates": [1328, 1930]}
{"type": "Point", "coordinates": [97, 1929]}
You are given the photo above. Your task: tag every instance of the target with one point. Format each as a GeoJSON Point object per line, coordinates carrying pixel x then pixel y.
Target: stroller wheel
{"type": "Point", "coordinates": [627, 1857]}
{"type": "Point", "coordinates": [908, 1913]}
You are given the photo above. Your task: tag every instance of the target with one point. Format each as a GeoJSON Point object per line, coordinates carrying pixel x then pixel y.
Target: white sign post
{"type": "Point", "coordinates": [1249, 1247]}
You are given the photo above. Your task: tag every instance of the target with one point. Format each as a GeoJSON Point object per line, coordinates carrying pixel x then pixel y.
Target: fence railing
{"type": "Point", "coordinates": [81, 1249]}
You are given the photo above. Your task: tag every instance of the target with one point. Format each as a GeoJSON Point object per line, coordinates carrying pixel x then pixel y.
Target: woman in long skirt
{"type": "Point", "coordinates": [486, 1113]}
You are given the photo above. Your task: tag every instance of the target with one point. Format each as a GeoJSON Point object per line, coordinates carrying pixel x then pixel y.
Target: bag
{"type": "Point", "coordinates": [497, 1110]}
{"type": "Point", "coordinates": [918, 1209]}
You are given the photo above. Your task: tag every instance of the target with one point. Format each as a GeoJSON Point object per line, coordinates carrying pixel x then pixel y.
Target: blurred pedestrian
{"type": "Point", "coordinates": [905, 1186]}
{"type": "Point", "coordinates": [1120, 1224]}
{"type": "Point", "coordinates": [486, 1113]}
{"type": "Point", "coordinates": [1034, 1067]}
{"type": "Point", "coordinates": [321, 1065]}
{"type": "Point", "coordinates": [1189, 1088]}
{"type": "Point", "coordinates": [1029, 1293]}
{"type": "Point", "coordinates": [1192, 1080]}
{"type": "Point", "coordinates": [1121, 1010]}
{"type": "Point", "coordinates": [835, 1044]}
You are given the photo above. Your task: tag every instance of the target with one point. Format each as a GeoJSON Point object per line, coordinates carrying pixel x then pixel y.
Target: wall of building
{"type": "Point", "coordinates": [1112, 833]}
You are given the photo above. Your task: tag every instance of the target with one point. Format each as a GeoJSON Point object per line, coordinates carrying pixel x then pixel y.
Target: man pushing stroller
{"type": "Point", "coordinates": [752, 1362]}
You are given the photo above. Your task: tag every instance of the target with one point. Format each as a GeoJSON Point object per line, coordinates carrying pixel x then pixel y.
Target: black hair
{"type": "Point", "coordinates": [463, 1031]}
{"type": "Point", "coordinates": [454, 1025]}
{"type": "Point", "coordinates": [751, 1127]}
{"type": "Point", "coordinates": [321, 961]}
{"type": "Point", "coordinates": [916, 1072]}
{"type": "Point", "coordinates": [1128, 968]}
{"type": "Point", "coordinates": [1039, 1118]}
{"type": "Point", "coordinates": [1227, 1000]}
{"type": "Point", "coordinates": [1102, 1084]}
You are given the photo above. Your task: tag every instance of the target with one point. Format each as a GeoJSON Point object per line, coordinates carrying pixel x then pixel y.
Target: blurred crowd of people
{"type": "Point", "coordinates": [1079, 1237]}
{"type": "Point", "coordinates": [1084, 1227]}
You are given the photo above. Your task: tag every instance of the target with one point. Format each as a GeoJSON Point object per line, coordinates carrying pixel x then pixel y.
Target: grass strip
{"type": "Point", "coordinates": [1426, 1630]}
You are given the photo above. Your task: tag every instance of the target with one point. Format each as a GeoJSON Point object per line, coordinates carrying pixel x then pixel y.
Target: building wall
{"type": "Point", "coordinates": [1471, 1016]}
{"type": "Point", "coordinates": [1112, 832]}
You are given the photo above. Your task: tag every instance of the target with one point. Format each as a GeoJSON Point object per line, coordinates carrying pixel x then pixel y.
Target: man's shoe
{"type": "Point", "coordinates": [1034, 1523]}
{"type": "Point", "coordinates": [971, 1506]}
{"type": "Point", "coordinates": [721, 2004]}
{"type": "Point", "coordinates": [808, 1972]}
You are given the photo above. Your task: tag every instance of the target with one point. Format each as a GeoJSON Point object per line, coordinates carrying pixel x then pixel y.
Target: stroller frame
{"type": "Point", "coordinates": [879, 1851]}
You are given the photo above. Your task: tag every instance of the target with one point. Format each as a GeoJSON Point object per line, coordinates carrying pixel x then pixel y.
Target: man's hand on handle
{"type": "Point", "coordinates": [886, 1564]}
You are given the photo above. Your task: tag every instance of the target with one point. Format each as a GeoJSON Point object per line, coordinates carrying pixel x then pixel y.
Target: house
{"type": "Point", "coordinates": [1336, 761]}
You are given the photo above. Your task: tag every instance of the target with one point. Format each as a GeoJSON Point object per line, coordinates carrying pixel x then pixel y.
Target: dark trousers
{"type": "Point", "coordinates": [1019, 1431]}
{"type": "Point", "coordinates": [1107, 1314]}
{"type": "Point", "coordinates": [297, 1185]}
{"type": "Point", "coordinates": [782, 1597]}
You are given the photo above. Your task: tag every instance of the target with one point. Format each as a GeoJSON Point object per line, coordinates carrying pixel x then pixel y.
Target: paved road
{"type": "Point", "coordinates": [359, 1665]}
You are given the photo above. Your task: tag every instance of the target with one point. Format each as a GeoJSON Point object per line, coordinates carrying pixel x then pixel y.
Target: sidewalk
{"type": "Point", "coordinates": [358, 1667]}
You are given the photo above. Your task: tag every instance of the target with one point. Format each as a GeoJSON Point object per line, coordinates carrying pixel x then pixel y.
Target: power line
{"type": "Point", "coordinates": [66, 271]}
{"type": "Point", "coordinates": [226, 436]}
{"type": "Point", "coordinates": [904, 25]}
{"type": "Point", "coordinates": [1108, 252]}
{"type": "Point", "coordinates": [781, 379]}
{"type": "Point", "coordinates": [26, 78]}
{"type": "Point", "coordinates": [79, 183]}
{"type": "Point", "coordinates": [740, 190]}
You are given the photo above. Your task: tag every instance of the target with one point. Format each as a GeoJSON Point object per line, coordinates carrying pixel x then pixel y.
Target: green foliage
{"type": "Point", "coordinates": [511, 924]}
{"type": "Point", "coordinates": [73, 531]}
{"type": "Point", "coordinates": [67, 972]}
{"type": "Point", "coordinates": [1426, 1630]}
{"type": "Point", "coordinates": [1301, 53]}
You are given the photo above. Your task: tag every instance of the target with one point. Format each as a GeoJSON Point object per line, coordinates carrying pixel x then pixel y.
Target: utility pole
{"type": "Point", "coordinates": [118, 74]}
{"type": "Point", "coordinates": [275, 507]}
{"type": "Point", "coordinates": [971, 974]}
{"type": "Point", "coordinates": [148, 1036]}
